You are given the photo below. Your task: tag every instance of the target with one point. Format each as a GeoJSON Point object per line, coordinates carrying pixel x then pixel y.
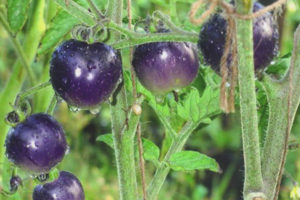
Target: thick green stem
{"type": "Point", "coordinates": [253, 177]}
{"type": "Point", "coordinates": [124, 152]}
{"type": "Point", "coordinates": [276, 143]}
{"type": "Point", "coordinates": [163, 170]}
{"type": "Point", "coordinates": [123, 125]}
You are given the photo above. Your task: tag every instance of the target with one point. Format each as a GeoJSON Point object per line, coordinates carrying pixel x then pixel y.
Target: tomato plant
{"type": "Point", "coordinates": [129, 69]}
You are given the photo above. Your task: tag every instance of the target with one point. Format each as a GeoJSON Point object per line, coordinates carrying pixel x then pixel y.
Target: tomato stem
{"type": "Point", "coordinates": [280, 120]}
{"type": "Point", "coordinates": [251, 147]}
{"type": "Point", "coordinates": [124, 124]}
{"type": "Point", "coordinates": [178, 142]}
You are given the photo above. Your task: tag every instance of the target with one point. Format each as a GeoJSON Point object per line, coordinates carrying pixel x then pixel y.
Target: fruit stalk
{"type": "Point", "coordinates": [253, 177]}
{"type": "Point", "coordinates": [275, 147]}
{"type": "Point", "coordinates": [52, 105]}
{"type": "Point", "coordinates": [20, 97]}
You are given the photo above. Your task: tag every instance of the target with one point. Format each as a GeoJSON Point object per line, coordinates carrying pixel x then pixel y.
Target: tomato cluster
{"type": "Point", "coordinates": [85, 75]}
{"type": "Point", "coordinates": [265, 39]}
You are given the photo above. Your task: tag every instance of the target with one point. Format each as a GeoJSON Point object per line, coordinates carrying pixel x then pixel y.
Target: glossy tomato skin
{"type": "Point", "coordinates": [265, 39]}
{"type": "Point", "coordinates": [37, 144]}
{"type": "Point", "coordinates": [66, 187]}
{"type": "Point", "coordinates": [165, 66]}
{"type": "Point", "coordinates": [85, 75]}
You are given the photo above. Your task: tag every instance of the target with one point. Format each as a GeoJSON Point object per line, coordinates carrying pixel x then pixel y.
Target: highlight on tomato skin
{"type": "Point", "coordinates": [85, 75]}
{"type": "Point", "coordinates": [65, 187]}
{"type": "Point", "coordinates": [265, 39]}
{"type": "Point", "coordinates": [37, 144]}
{"type": "Point", "coordinates": [165, 66]}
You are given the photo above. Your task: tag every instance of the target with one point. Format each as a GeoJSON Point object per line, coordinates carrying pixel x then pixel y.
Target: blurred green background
{"type": "Point", "coordinates": [94, 163]}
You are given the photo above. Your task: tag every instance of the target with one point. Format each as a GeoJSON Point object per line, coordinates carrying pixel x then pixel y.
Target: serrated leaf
{"type": "Point", "coordinates": [193, 107]}
{"type": "Point", "coordinates": [192, 160]}
{"type": "Point", "coordinates": [61, 25]}
{"type": "Point", "coordinates": [107, 139]}
{"type": "Point", "coordinates": [176, 121]}
{"type": "Point", "coordinates": [188, 108]}
{"type": "Point", "coordinates": [210, 102]}
{"type": "Point", "coordinates": [151, 151]}
{"type": "Point", "coordinates": [17, 13]}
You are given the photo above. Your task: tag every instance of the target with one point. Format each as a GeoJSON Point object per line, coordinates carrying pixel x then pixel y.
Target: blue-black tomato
{"type": "Point", "coordinates": [165, 66]}
{"type": "Point", "coordinates": [265, 39]}
{"type": "Point", "coordinates": [66, 187]}
{"type": "Point", "coordinates": [37, 144]}
{"type": "Point", "coordinates": [83, 74]}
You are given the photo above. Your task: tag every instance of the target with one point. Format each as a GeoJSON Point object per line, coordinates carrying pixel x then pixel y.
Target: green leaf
{"type": "Point", "coordinates": [192, 160]}
{"type": "Point", "coordinates": [193, 107]}
{"type": "Point", "coordinates": [210, 102]}
{"type": "Point", "coordinates": [151, 151]}
{"type": "Point", "coordinates": [61, 25]}
{"type": "Point", "coordinates": [190, 107]}
{"type": "Point", "coordinates": [107, 139]}
{"type": "Point", "coordinates": [279, 67]}
{"type": "Point", "coordinates": [17, 13]}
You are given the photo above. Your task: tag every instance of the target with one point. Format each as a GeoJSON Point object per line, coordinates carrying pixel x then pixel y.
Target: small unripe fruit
{"type": "Point", "coordinates": [15, 182]}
